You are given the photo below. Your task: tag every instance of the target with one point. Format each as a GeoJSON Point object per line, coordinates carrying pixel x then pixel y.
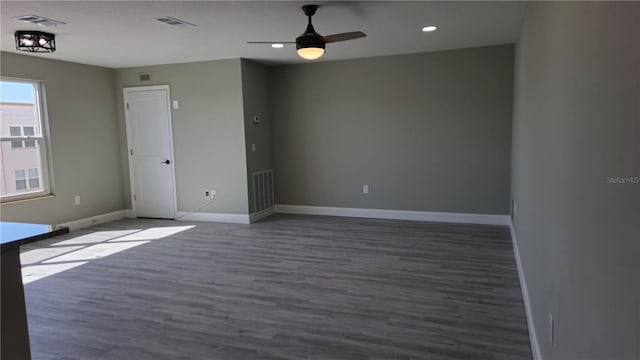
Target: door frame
{"type": "Point", "coordinates": [132, 166]}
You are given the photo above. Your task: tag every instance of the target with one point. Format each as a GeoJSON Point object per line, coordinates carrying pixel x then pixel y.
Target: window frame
{"type": "Point", "coordinates": [42, 143]}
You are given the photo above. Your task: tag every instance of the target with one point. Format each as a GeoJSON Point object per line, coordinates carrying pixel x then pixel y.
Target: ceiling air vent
{"type": "Point", "coordinates": [173, 21]}
{"type": "Point", "coordinates": [39, 20]}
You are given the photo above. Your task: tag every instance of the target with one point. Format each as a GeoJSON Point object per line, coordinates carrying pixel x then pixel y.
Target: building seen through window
{"type": "Point", "coordinates": [22, 137]}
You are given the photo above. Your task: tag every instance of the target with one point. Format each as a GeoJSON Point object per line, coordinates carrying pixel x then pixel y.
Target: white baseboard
{"type": "Point", "coordinates": [396, 214]}
{"type": "Point", "coordinates": [98, 219]}
{"type": "Point", "coordinates": [262, 214]}
{"type": "Point", "coordinates": [213, 217]}
{"type": "Point", "coordinates": [533, 338]}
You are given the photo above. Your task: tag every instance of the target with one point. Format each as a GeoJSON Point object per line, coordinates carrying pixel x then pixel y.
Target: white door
{"type": "Point", "coordinates": [150, 141]}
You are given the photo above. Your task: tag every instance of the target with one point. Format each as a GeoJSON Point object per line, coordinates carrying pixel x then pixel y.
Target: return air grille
{"type": "Point", "coordinates": [39, 20]}
{"type": "Point", "coordinates": [173, 21]}
{"type": "Point", "coordinates": [263, 195]}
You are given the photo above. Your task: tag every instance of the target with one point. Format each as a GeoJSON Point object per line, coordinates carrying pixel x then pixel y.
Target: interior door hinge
{"type": "Point", "coordinates": [127, 106]}
{"type": "Point", "coordinates": [134, 197]}
{"type": "Point", "coordinates": [131, 151]}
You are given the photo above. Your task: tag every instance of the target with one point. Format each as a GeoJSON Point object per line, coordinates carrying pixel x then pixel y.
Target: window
{"type": "Point", "coordinates": [21, 182]}
{"type": "Point", "coordinates": [15, 131]}
{"type": "Point", "coordinates": [29, 131]}
{"type": "Point", "coordinates": [27, 183]}
{"type": "Point", "coordinates": [24, 152]}
{"type": "Point", "coordinates": [23, 132]}
{"type": "Point", "coordinates": [34, 180]}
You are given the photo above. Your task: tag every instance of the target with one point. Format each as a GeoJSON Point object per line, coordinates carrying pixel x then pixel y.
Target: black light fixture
{"type": "Point", "coordinates": [35, 41]}
{"type": "Point", "coordinates": [310, 45]}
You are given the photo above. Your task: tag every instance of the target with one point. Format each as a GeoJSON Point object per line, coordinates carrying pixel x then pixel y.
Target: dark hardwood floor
{"type": "Point", "coordinates": [289, 287]}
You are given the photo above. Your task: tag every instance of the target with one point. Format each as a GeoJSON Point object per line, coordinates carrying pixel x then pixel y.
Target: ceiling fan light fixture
{"type": "Point", "coordinates": [310, 45]}
{"type": "Point", "coordinates": [311, 53]}
{"type": "Point", "coordinates": [35, 41]}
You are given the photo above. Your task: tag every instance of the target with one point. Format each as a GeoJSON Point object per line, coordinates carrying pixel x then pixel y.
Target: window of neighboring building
{"type": "Point", "coordinates": [15, 131]}
{"type": "Point", "coordinates": [34, 180]}
{"type": "Point", "coordinates": [29, 181]}
{"type": "Point", "coordinates": [29, 131]}
{"type": "Point", "coordinates": [21, 180]}
{"type": "Point", "coordinates": [24, 152]}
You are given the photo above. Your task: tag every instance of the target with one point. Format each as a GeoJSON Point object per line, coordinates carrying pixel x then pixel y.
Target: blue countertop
{"type": "Point", "coordinates": [14, 234]}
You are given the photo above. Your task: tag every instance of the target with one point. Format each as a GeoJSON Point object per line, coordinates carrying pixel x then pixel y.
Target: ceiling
{"type": "Point", "coordinates": [120, 34]}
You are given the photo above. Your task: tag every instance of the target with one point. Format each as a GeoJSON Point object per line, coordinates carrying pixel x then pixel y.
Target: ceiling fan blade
{"type": "Point", "coordinates": [343, 36]}
{"type": "Point", "coordinates": [271, 42]}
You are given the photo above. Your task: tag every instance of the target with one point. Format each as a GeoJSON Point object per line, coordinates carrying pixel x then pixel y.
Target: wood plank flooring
{"type": "Point", "coordinates": [289, 287]}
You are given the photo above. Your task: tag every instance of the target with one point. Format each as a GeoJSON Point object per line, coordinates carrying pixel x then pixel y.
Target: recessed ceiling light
{"type": "Point", "coordinates": [429, 28]}
{"type": "Point", "coordinates": [277, 46]}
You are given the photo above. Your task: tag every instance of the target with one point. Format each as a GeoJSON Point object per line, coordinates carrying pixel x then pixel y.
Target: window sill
{"type": "Point", "coordinates": [17, 201]}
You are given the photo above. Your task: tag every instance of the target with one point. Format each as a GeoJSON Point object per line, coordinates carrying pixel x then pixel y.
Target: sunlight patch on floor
{"type": "Point", "coordinates": [68, 254]}
{"type": "Point", "coordinates": [40, 255]}
{"type": "Point", "coordinates": [37, 272]}
{"type": "Point", "coordinates": [153, 233]}
{"type": "Point", "coordinates": [96, 251]}
{"type": "Point", "coordinates": [96, 237]}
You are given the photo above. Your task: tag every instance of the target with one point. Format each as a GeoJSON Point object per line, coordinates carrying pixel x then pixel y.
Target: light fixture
{"type": "Point", "coordinates": [429, 28]}
{"type": "Point", "coordinates": [310, 45]}
{"type": "Point", "coordinates": [311, 53]}
{"type": "Point", "coordinates": [35, 41]}
{"type": "Point", "coordinates": [277, 46]}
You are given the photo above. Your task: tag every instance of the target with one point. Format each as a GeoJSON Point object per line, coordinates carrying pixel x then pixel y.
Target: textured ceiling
{"type": "Point", "coordinates": [123, 33]}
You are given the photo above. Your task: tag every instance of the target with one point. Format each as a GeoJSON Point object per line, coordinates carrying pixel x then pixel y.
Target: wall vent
{"type": "Point", "coordinates": [173, 21]}
{"type": "Point", "coordinates": [145, 76]}
{"type": "Point", "coordinates": [263, 193]}
{"type": "Point", "coordinates": [39, 20]}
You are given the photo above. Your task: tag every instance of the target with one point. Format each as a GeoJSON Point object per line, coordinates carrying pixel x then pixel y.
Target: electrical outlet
{"type": "Point", "coordinates": [365, 189]}
{"type": "Point", "coordinates": [213, 194]}
{"type": "Point", "coordinates": [76, 199]}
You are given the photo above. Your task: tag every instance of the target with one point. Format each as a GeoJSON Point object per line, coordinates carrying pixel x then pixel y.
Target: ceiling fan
{"type": "Point", "coordinates": [311, 45]}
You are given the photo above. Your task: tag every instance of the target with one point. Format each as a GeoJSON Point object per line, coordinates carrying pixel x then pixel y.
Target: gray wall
{"type": "Point", "coordinates": [84, 140]}
{"type": "Point", "coordinates": [426, 132]}
{"type": "Point", "coordinates": [208, 131]}
{"type": "Point", "coordinates": [576, 123]}
{"type": "Point", "coordinates": [255, 98]}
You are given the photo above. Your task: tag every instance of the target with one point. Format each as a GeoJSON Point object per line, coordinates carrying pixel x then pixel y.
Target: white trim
{"type": "Point", "coordinates": [533, 338]}
{"type": "Point", "coordinates": [213, 217]}
{"type": "Point", "coordinates": [132, 166]}
{"type": "Point", "coordinates": [396, 214]}
{"type": "Point", "coordinates": [262, 214]}
{"type": "Point", "coordinates": [98, 219]}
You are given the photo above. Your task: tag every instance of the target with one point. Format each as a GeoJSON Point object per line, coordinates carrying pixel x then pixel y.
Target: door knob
{"type": "Point", "coordinates": [166, 162]}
